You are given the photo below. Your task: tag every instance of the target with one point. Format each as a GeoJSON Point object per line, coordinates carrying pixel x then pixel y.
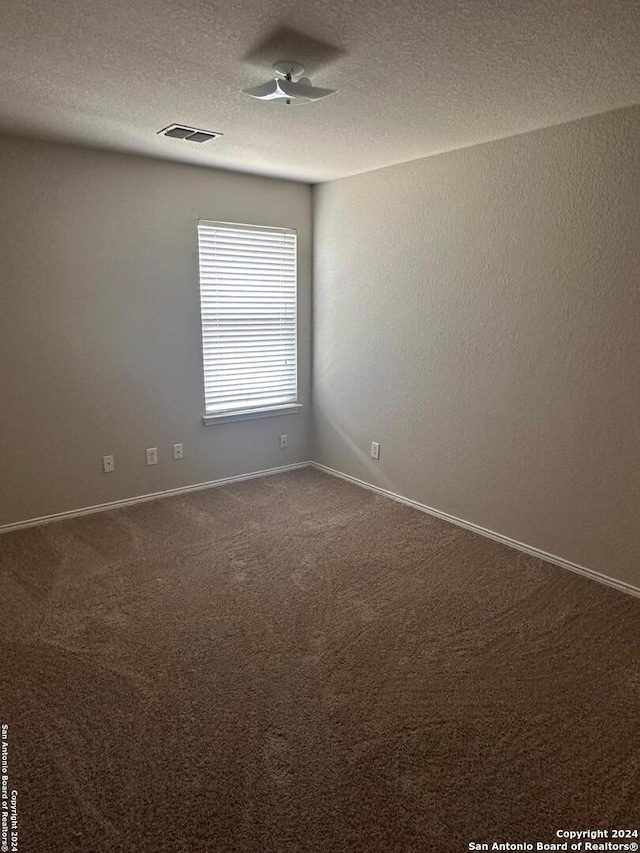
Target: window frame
{"type": "Point", "coordinates": [250, 412]}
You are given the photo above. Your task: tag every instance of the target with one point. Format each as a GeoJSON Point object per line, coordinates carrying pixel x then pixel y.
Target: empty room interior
{"type": "Point", "coordinates": [319, 426]}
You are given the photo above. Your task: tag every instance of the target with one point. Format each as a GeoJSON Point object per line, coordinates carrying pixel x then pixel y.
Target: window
{"type": "Point", "coordinates": [248, 297]}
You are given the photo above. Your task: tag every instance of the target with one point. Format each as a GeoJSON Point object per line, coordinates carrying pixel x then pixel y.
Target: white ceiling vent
{"type": "Point", "coordinates": [191, 134]}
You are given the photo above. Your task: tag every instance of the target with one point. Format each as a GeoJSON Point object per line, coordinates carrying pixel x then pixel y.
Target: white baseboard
{"type": "Point", "coordinates": [490, 534]}
{"type": "Point", "coordinates": [87, 510]}
{"type": "Point", "coordinates": [445, 516]}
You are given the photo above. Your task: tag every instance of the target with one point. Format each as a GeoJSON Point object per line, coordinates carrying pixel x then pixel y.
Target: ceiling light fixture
{"type": "Point", "coordinates": [289, 87]}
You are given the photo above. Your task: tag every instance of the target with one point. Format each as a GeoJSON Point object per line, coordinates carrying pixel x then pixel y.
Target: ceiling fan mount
{"type": "Point", "coordinates": [289, 87]}
{"type": "Point", "coordinates": [289, 70]}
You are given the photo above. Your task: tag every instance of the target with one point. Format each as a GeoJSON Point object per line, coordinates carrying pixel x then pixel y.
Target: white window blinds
{"type": "Point", "coordinates": [248, 308]}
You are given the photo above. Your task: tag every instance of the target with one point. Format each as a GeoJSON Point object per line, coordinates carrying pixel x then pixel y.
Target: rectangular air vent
{"type": "Point", "coordinates": [191, 134]}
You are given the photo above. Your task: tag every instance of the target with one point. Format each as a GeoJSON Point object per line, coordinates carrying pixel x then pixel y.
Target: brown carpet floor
{"type": "Point", "coordinates": [296, 664]}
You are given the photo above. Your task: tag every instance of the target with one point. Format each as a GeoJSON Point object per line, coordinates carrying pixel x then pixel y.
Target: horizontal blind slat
{"type": "Point", "coordinates": [248, 400]}
{"type": "Point", "coordinates": [243, 398]}
{"type": "Point", "coordinates": [254, 232]}
{"type": "Point", "coordinates": [247, 389]}
{"type": "Point", "coordinates": [237, 351]}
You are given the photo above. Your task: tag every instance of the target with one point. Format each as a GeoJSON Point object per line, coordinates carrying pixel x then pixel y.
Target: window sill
{"type": "Point", "coordinates": [251, 414]}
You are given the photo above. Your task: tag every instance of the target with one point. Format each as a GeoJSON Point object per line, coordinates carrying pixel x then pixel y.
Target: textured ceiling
{"type": "Point", "coordinates": [415, 77]}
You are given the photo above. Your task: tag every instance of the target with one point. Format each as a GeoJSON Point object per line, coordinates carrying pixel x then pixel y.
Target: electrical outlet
{"type": "Point", "coordinates": [375, 450]}
{"type": "Point", "coordinates": [284, 441]}
{"type": "Point", "coordinates": [152, 455]}
{"type": "Point", "coordinates": [177, 451]}
{"type": "Point", "coordinates": [108, 465]}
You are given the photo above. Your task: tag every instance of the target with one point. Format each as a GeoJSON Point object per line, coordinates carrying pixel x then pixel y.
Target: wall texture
{"type": "Point", "coordinates": [100, 325]}
{"type": "Point", "coordinates": [478, 313]}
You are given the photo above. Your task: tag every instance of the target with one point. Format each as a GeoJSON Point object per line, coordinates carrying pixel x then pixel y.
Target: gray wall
{"type": "Point", "coordinates": [99, 325]}
{"type": "Point", "coordinates": [478, 313]}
